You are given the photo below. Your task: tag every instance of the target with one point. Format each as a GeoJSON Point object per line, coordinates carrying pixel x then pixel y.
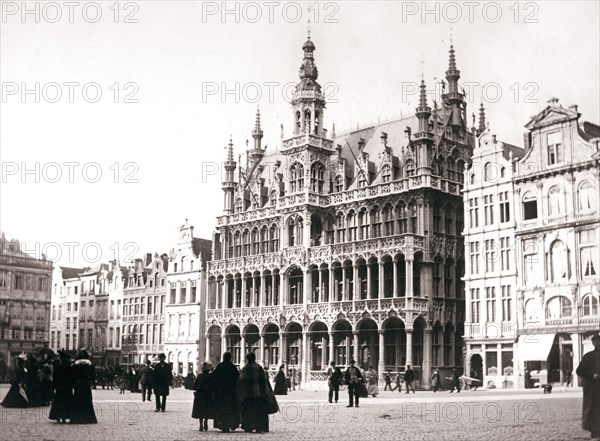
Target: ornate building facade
{"type": "Point", "coordinates": [345, 246]}
{"type": "Point", "coordinates": [491, 271]}
{"type": "Point", "coordinates": [557, 188]}
{"type": "Point", "coordinates": [186, 283]}
{"type": "Point", "coordinates": [25, 298]}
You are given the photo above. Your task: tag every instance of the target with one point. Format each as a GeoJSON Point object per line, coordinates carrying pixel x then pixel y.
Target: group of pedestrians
{"type": "Point", "coordinates": [234, 398]}
{"type": "Point", "coordinates": [67, 385]}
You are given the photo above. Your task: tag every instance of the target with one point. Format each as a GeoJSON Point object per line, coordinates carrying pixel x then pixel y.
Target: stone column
{"type": "Point", "coordinates": [356, 284]}
{"type": "Point", "coordinates": [304, 365]}
{"type": "Point", "coordinates": [224, 290]}
{"type": "Point", "coordinates": [409, 350]}
{"type": "Point", "coordinates": [306, 287]}
{"type": "Point", "coordinates": [261, 349]}
{"type": "Point", "coordinates": [381, 364]}
{"type": "Point", "coordinates": [331, 347]}
{"type": "Point", "coordinates": [330, 290]}
{"type": "Point", "coordinates": [262, 301]}
{"type": "Point", "coordinates": [223, 343]}
{"type": "Point", "coordinates": [355, 355]}
{"type": "Point", "coordinates": [282, 348]}
{"type": "Point", "coordinates": [395, 266]}
{"type": "Point", "coordinates": [324, 361]}
{"type": "Point", "coordinates": [427, 356]}
{"type": "Point", "coordinates": [283, 281]}
{"type": "Point", "coordinates": [243, 350]}
{"type": "Point", "coordinates": [243, 296]}
{"type": "Point", "coordinates": [409, 259]}
{"type": "Point", "coordinates": [369, 281]}
{"type": "Point", "coordinates": [207, 339]}
{"type": "Point", "coordinates": [344, 283]}
{"type": "Point", "coordinates": [320, 296]}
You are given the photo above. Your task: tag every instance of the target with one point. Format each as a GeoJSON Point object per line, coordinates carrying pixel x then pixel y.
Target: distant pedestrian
{"type": "Point", "coordinates": [122, 380]}
{"type": "Point", "coordinates": [372, 379]}
{"type": "Point", "coordinates": [388, 381]}
{"type": "Point", "coordinates": [409, 378]}
{"type": "Point", "coordinates": [46, 374]}
{"type": "Point", "coordinates": [455, 381]}
{"type": "Point", "coordinates": [436, 382]}
{"type": "Point", "coordinates": [204, 397]}
{"type": "Point", "coordinates": [146, 374]}
{"type": "Point", "coordinates": [227, 415]}
{"type": "Point", "coordinates": [589, 370]}
{"type": "Point", "coordinates": [398, 381]}
{"type": "Point", "coordinates": [354, 379]}
{"type": "Point", "coordinates": [63, 389]}
{"type": "Point", "coordinates": [161, 379]}
{"type": "Point", "coordinates": [188, 381]}
{"type": "Point", "coordinates": [280, 382]}
{"type": "Point", "coordinates": [33, 382]}
{"type": "Point", "coordinates": [330, 371]}
{"type": "Point", "coordinates": [288, 380]}
{"type": "Point", "coordinates": [299, 379]}
{"type": "Point", "coordinates": [82, 411]}
{"type": "Point", "coordinates": [336, 382]}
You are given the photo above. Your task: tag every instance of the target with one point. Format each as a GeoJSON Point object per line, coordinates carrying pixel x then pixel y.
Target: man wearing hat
{"type": "Point", "coordinates": [589, 370]}
{"type": "Point", "coordinates": [354, 378]}
{"type": "Point", "coordinates": [161, 380]}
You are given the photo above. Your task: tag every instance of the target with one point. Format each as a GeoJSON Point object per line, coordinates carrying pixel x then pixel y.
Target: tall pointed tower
{"type": "Point", "coordinates": [229, 182]}
{"type": "Point", "coordinates": [423, 139]}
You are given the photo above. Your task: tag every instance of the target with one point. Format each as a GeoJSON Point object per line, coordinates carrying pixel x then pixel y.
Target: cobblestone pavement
{"type": "Point", "coordinates": [305, 415]}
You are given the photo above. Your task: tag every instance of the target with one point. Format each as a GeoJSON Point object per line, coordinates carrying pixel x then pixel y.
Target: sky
{"type": "Point", "coordinates": [114, 116]}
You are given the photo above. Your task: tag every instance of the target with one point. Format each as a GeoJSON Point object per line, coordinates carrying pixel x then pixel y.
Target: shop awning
{"type": "Point", "coordinates": [535, 347]}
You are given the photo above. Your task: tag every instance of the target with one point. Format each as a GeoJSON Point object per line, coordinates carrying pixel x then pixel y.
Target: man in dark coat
{"type": "Point", "coordinates": [589, 370]}
{"type": "Point", "coordinates": [252, 396]}
{"type": "Point", "coordinates": [146, 374]}
{"type": "Point", "coordinates": [227, 414]}
{"type": "Point", "coordinates": [204, 397]}
{"type": "Point", "coordinates": [409, 378]}
{"type": "Point", "coordinates": [280, 382]}
{"type": "Point", "coordinates": [161, 380]}
{"type": "Point", "coordinates": [63, 389]}
{"type": "Point", "coordinates": [455, 381]}
{"type": "Point", "coordinates": [354, 379]}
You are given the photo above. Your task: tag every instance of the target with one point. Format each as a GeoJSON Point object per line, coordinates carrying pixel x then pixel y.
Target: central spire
{"type": "Point", "coordinates": [308, 69]}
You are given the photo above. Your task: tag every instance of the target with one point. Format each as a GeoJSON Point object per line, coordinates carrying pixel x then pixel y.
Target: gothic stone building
{"type": "Point", "coordinates": [348, 246]}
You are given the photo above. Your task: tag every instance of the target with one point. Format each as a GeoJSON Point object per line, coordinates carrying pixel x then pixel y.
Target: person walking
{"type": "Point", "coordinates": [204, 397]}
{"type": "Point", "coordinates": [146, 374]}
{"type": "Point", "coordinates": [161, 380]}
{"type": "Point", "coordinates": [372, 379]}
{"type": "Point", "coordinates": [16, 396]}
{"type": "Point", "coordinates": [82, 410]}
{"type": "Point", "coordinates": [354, 379]}
{"type": "Point", "coordinates": [227, 415]}
{"type": "Point", "coordinates": [336, 382]}
{"type": "Point", "coordinates": [388, 381]}
{"type": "Point", "coordinates": [398, 381]}
{"type": "Point", "coordinates": [33, 385]}
{"type": "Point", "coordinates": [63, 389]}
{"type": "Point", "coordinates": [455, 381]}
{"type": "Point", "coordinates": [589, 370]}
{"type": "Point", "coordinates": [436, 383]}
{"type": "Point", "coordinates": [280, 382]}
{"type": "Point", "coordinates": [409, 377]}
{"type": "Point", "coordinates": [330, 371]}
{"type": "Point", "coordinates": [253, 394]}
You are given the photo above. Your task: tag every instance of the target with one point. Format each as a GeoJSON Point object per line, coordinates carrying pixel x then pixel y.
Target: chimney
{"type": "Point", "coordinates": [526, 141]}
{"type": "Point", "coordinates": [148, 258]}
{"type": "Point", "coordinates": [573, 108]}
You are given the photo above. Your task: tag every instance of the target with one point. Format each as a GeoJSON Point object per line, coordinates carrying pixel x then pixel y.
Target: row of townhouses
{"type": "Point", "coordinates": [421, 241]}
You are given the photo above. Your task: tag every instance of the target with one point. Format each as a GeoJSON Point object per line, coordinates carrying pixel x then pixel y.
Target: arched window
{"type": "Point", "coordinates": [339, 183]}
{"type": "Point", "coordinates": [255, 202]}
{"type": "Point", "coordinates": [363, 221]}
{"type": "Point", "coordinates": [556, 201]}
{"type": "Point", "coordinates": [451, 169]}
{"type": "Point", "coordinates": [296, 177]}
{"type": "Point", "coordinates": [238, 244]}
{"type": "Point", "coordinates": [230, 245]}
{"type": "Point", "coordinates": [340, 228]}
{"type": "Point", "coordinates": [559, 261]}
{"type": "Point", "coordinates": [361, 179]}
{"type": "Point", "coordinates": [386, 174]}
{"type": "Point", "coordinates": [300, 230]}
{"type": "Point", "coordinates": [590, 305]}
{"type": "Point", "coordinates": [558, 307]}
{"type": "Point", "coordinates": [402, 218]}
{"type": "Point", "coordinates": [273, 198]}
{"type": "Point", "coordinates": [264, 240]}
{"type": "Point", "coordinates": [274, 235]}
{"type": "Point", "coordinates": [388, 221]}
{"type": "Point", "coordinates": [488, 172]}
{"type": "Point", "coordinates": [410, 168]}
{"type": "Point", "coordinates": [530, 312]}
{"type": "Point", "coordinates": [291, 233]}
{"type": "Point", "coordinates": [460, 170]}
{"type": "Point", "coordinates": [255, 242]}
{"type": "Point", "coordinates": [375, 221]}
{"type": "Point", "coordinates": [530, 210]}
{"type": "Point", "coordinates": [587, 201]}
{"type": "Point", "coordinates": [239, 206]}
{"type": "Point", "coordinates": [246, 241]}
{"type": "Point", "coordinates": [352, 233]}
{"type": "Point", "coordinates": [317, 177]}
{"type": "Point", "coordinates": [503, 172]}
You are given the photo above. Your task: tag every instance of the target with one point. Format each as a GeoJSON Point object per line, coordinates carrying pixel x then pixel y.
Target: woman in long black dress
{"type": "Point", "coordinates": [82, 411]}
{"type": "Point", "coordinates": [204, 397]}
{"type": "Point", "coordinates": [280, 382]}
{"type": "Point", "coordinates": [63, 390]}
{"type": "Point", "coordinates": [33, 384]}
{"type": "Point", "coordinates": [16, 396]}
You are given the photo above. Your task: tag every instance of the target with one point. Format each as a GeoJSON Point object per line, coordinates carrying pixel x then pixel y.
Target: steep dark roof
{"type": "Point", "coordinates": [71, 273]}
{"type": "Point", "coordinates": [203, 248]}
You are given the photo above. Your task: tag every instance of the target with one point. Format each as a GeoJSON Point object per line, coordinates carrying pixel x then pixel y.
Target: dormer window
{"type": "Point", "coordinates": [339, 183]}
{"type": "Point", "coordinates": [386, 174]}
{"type": "Point", "coordinates": [296, 178]}
{"type": "Point", "coordinates": [239, 205]}
{"type": "Point", "coordinates": [410, 168]}
{"type": "Point", "coordinates": [317, 178]}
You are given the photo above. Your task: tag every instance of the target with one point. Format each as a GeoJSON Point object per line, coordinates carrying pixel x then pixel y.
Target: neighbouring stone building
{"type": "Point", "coordinates": [339, 246]}
{"type": "Point", "coordinates": [25, 298]}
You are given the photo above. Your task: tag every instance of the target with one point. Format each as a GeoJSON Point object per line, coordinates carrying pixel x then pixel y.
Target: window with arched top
{"type": "Point", "coordinates": [388, 220]}
{"type": "Point", "coordinates": [375, 220]}
{"type": "Point", "coordinates": [409, 168]}
{"type": "Point", "coordinates": [451, 169]}
{"type": "Point", "coordinates": [255, 241]}
{"type": "Point", "coordinates": [273, 198]}
{"type": "Point", "coordinates": [460, 169]}
{"type": "Point", "coordinates": [489, 173]}
{"type": "Point", "coordinates": [352, 228]}
{"type": "Point", "coordinates": [264, 240]}
{"type": "Point", "coordinates": [530, 209]}
{"type": "Point", "coordinates": [239, 205]}
{"type": "Point", "coordinates": [291, 233]}
{"type": "Point", "coordinates": [246, 241]}
{"type": "Point", "coordinates": [255, 202]}
{"type": "Point", "coordinates": [237, 244]}
{"type": "Point", "coordinates": [296, 177]}
{"type": "Point", "coordinates": [558, 307]}
{"type": "Point", "coordinates": [386, 174]}
{"type": "Point", "coordinates": [339, 183]}
{"type": "Point", "coordinates": [590, 305]}
{"type": "Point", "coordinates": [363, 222]}
{"type": "Point", "coordinates": [402, 218]}
{"type": "Point", "coordinates": [556, 201]}
{"type": "Point", "coordinates": [559, 261]}
{"type": "Point", "coordinates": [317, 177]}
{"type": "Point", "coordinates": [587, 196]}
{"type": "Point", "coordinates": [274, 239]}
{"type": "Point", "coordinates": [340, 226]}
{"type": "Point", "coordinates": [530, 310]}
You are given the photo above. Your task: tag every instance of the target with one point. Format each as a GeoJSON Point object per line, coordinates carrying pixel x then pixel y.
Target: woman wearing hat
{"type": "Point", "coordinates": [589, 370]}
{"type": "Point", "coordinates": [16, 396]}
{"type": "Point", "coordinates": [204, 397]}
{"type": "Point", "coordinates": [63, 389]}
{"type": "Point", "coordinates": [82, 411]}
{"type": "Point", "coordinates": [281, 382]}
